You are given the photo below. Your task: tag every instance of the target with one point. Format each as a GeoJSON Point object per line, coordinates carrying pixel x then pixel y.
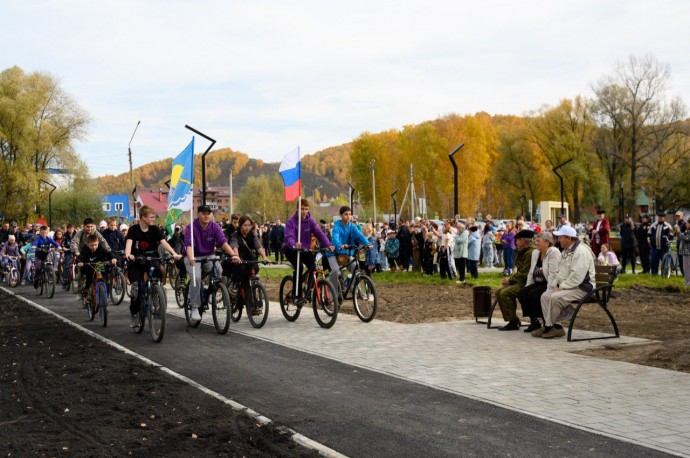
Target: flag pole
{"type": "Point", "coordinates": [191, 232]}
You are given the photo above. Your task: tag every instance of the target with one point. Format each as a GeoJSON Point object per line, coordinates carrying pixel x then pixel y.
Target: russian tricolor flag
{"type": "Point", "coordinates": [290, 170]}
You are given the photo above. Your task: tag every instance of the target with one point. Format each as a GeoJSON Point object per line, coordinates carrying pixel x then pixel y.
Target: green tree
{"type": "Point", "coordinates": [39, 123]}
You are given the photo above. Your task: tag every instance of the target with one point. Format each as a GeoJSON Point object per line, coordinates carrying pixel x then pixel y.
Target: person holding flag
{"type": "Point", "coordinates": [201, 239]}
{"type": "Point", "coordinates": [301, 227]}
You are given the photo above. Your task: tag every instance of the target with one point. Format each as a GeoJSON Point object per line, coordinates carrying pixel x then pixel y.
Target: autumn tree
{"type": "Point", "coordinates": [642, 126]}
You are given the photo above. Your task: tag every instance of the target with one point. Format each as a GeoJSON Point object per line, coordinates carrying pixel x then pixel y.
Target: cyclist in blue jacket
{"type": "Point", "coordinates": [345, 233]}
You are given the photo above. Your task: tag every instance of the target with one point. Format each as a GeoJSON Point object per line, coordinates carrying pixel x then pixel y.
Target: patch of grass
{"type": "Point", "coordinates": [651, 281]}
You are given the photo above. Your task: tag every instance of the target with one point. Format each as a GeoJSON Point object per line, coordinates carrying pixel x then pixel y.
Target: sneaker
{"type": "Point", "coordinates": [195, 315]}
{"type": "Point", "coordinates": [554, 332]}
{"type": "Point", "coordinates": [538, 332]}
{"type": "Point", "coordinates": [258, 311]}
{"type": "Point", "coordinates": [460, 282]}
{"type": "Point", "coordinates": [134, 321]}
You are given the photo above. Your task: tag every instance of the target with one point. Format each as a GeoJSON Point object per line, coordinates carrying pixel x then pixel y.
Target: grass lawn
{"type": "Point", "coordinates": [493, 279]}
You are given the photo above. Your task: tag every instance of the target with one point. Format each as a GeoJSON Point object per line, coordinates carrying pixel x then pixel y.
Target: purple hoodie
{"type": "Point", "coordinates": [205, 240]}
{"type": "Point", "coordinates": [308, 227]}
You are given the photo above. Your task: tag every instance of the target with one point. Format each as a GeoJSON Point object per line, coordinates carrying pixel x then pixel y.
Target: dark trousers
{"type": "Point", "coordinates": [628, 254]}
{"type": "Point", "coordinates": [277, 250]}
{"type": "Point", "coordinates": [305, 259]}
{"type": "Point", "coordinates": [472, 268]}
{"type": "Point", "coordinates": [445, 267]}
{"type": "Point", "coordinates": [644, 258]}
{"type": "Point", "coordinates": [657, 256]}
{"type": "Point", "coordinates": [460, 267]}
{"type": "Point", "coordinates": [530, 300]}
{"type": "Point", "coordinates": [405, 257]}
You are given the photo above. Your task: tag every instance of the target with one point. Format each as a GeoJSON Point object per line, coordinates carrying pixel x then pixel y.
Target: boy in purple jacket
{"type": "Point", "coordinates": [308, 227]}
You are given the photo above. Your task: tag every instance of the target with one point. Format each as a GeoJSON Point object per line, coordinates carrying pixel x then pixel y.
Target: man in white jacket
{"type": "Point", "coordinates": [575, 278]}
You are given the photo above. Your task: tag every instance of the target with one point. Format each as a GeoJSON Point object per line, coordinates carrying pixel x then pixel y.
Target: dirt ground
{"type": "Point", "coordinates": [639, 312]}
{"type": "Point", "coordinates": [65, 393]}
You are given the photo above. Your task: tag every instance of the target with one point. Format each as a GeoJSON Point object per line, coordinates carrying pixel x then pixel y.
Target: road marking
{"type": "Point", "coordinates": [294, 435]}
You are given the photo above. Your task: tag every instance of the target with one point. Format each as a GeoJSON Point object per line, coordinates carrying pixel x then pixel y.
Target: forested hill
{"type": "Point", "coordinates": [328, 168]}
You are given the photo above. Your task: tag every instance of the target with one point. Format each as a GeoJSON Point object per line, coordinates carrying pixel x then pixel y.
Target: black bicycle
{"type": "Point", "coordinates": [45, 276]}
{"type": "Point", "coordinates": [212, 291]}
{"type": "Point", "coordinates": [152, 300]}
{"type": "Point", "coordinates": [358, 285]}
{"type": "Point", "coordinates": [97, 297]}
{"type": "Point", "coordinates": [249, 293]}
{"type": "Point", "coordinates": [316, 290]}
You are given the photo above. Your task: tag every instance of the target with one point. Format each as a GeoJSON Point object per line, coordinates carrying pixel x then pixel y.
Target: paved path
{"type": "Point", "coordinates": [638, 404]}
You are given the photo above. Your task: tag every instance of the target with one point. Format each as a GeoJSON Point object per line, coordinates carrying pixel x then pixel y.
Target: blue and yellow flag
{"type": "Point", "coordinates": [181, 186]}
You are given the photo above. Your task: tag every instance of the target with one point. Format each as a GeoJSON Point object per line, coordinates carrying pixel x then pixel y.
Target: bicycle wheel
{"type": "Point", "coordinates": [141, 314]}
{"type": "Point", "coordinates": [50, 283]}
{"type": "Point", "coordinates": [325, 303]}
{"type": "Point", "coordinates": [236, 301]}
{"type": "Point", "coordinates": [257, 308]}
{"type": "Point", "coordinates": [157, 309]}
{"type": "Point", "coordinates": [13, 277]}
{"type": "Point", "coordinates": [102, 302]}
{"type": "Point", "coordinates": [365, 298]}
{"type": "Point", "coordinates": [220, 307]}
{"type": "Point", "coordinates": [119, 285]}
{"type": "Point", "coordinates": [666, 266]}
{"type": "Point", "coordinates": [91, 305]}
{"type": "Point", "coordinates": [188, 310]}
{"type": "Point", "coordinates": [76, 283]}
{"type": "Point", "coordinates": [287, 302]}
{"type": "Point", "coordinates": [39, 280]}
{"type": "Point", "coordinates": [180, 291]}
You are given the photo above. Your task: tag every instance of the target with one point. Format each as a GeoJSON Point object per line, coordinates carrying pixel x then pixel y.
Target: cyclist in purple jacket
{"type": "Point", "coordinates": [307, 227]}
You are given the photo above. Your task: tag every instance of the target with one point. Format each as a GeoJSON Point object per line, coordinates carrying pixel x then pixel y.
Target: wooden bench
{"type": "Point", "coordinates": [605, 276]}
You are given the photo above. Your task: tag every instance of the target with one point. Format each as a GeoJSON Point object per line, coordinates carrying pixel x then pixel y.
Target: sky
{"type": "Point", "coordinates": [265, 76]}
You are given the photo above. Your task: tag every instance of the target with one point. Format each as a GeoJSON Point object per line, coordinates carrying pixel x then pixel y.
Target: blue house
{"type": "Point", "coordinates": [117, 205]}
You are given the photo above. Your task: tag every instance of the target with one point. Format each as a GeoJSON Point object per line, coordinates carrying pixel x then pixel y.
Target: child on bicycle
{"type": "Point", "coordinates": [94, 253]}
{"type": "Point", "coordinates": [345, 234]}
{"type": "Point", "coordinates": [142, 240]}
{"type": "Point", "coordinates": [11, 248]}
{"type": "Point", "coordinates": [308, 228]}
{"type": "Point", "coordinates": [42, 244]}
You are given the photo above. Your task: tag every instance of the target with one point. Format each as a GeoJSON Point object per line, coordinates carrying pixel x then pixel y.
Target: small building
{"type": "Point", "coordinates": [117, 205]}
{"type": "Point", "coordinates": [550, 209]}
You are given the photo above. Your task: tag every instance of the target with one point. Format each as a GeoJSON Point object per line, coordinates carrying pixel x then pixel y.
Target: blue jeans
{"type": "Point", "coordinates": [508, 261]}
{"type": "Point", "coordinates": [657, 256]}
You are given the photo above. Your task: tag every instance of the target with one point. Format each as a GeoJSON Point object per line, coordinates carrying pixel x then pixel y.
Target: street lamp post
{"type": "Point", "coordinates": [554, 170]}
{"type": "Point", "coordinates": [395, 208]}
{"type": "Point", "coordinates": [352, 197]}
{"type": "Point", "coordinates": [203, 162]}
{"type": "Point", "coordinates": [50, 203]}
{"type": "Point", "coordinates": [455, 179]}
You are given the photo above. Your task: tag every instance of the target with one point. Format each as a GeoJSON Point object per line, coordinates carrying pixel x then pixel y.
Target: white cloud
{"type": "Point", "coordinates": [265, 76]}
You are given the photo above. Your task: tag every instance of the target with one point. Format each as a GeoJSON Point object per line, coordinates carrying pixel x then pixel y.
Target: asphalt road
{"type": "Point", "coordinates": [352, 410]}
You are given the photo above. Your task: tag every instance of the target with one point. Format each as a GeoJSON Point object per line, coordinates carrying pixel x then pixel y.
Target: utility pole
{"type": "Point", "coordinates": [373, 188]}
{"type": "Point", "coordinates": [230, 206]}
{"type": "Point", "coordinates": [413, 194]}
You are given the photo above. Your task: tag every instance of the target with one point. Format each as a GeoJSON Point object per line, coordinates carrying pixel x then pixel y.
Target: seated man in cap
{"type": "Point", "coordinates": [575, 278]}
{"type": "Point", "coordinates": [600, 232]}
{"type": "Point", "coordinates": [660, 235]}
{"type": "Point", "coordinates": [508, 293]}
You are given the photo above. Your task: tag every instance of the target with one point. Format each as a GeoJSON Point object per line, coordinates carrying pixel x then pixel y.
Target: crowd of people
{"type": "Point", "coordinates": [538, 262]}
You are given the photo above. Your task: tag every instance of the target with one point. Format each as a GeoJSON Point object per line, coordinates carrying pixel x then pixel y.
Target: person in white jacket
{"type": "Point", "coordinates": [542, 275]}
{"type": "Point", "coordinates": [575, 278]}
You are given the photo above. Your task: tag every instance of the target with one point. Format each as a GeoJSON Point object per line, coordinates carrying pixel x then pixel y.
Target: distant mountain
{"type": "Point", "coordinates": [326, 170]}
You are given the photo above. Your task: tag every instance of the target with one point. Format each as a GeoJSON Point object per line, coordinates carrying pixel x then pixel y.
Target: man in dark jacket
{"type": "Point", "coordinates": [277, 239]}
{"type": "Point", "coordinates": [404, 236]}
{"type": "Point", "coordinates": [641, 234]}
{"type": "Point", "coordinates": [628, 243]}
{"type": "Point", "coordinates": [660, 236]}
